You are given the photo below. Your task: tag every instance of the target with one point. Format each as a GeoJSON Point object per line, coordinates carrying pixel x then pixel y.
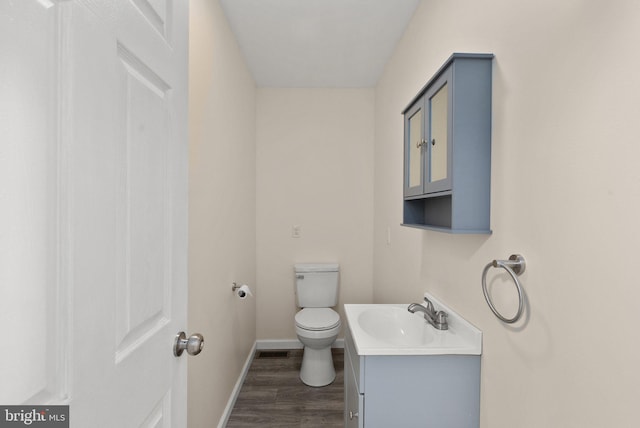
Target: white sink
{"type": "Point", "coordinates": [394, 325]}
{"type": "Point", "coordinates": [390, 329]}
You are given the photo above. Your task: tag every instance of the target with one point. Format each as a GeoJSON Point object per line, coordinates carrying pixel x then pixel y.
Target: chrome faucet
{"type": "Point", "coordinates": [438, 319]}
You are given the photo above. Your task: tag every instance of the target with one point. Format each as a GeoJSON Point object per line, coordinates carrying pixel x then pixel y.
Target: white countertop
{"type": "Point", "coordinates": [462, 338]}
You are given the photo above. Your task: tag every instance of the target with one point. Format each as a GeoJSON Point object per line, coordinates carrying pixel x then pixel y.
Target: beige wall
{"type": "Point", "coordinates": [565, 193]}
{"type": "Point", "coordinates": [315, 170]}
{"type": "Point", "coordinates": [221, 210]}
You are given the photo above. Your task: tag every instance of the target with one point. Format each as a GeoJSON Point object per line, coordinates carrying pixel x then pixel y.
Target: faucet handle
{"type": "Point", "coordinates": [429, 304]}
{"type": "Point", "coordinates": [441, 320]}
{"type": "Point", "coordinates": [441, 317]}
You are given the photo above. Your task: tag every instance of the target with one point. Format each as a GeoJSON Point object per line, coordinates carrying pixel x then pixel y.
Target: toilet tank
{"type": "Point", "coordinates": [316, 284]}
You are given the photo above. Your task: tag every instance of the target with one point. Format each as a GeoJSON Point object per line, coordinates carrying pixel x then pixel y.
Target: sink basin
{"type": "Point", "coordinates": [395, 325]}
{"type": "Point", "coordinates": [389, 329]}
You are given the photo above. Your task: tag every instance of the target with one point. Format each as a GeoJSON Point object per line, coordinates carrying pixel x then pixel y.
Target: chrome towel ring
{"type": "Point", "coordinates": [515, 266]}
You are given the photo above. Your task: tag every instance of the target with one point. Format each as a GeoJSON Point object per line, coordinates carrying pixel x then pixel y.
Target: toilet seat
{"type": "Point", "coordinates": [317, 319]}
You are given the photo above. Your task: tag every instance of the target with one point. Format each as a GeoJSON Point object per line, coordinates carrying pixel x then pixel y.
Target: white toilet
{"type": "Point", "coordinates": [317, 325]}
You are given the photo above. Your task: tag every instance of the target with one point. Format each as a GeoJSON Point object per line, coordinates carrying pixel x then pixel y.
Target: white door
{"type": "Point", "coordinates": [93, 199]}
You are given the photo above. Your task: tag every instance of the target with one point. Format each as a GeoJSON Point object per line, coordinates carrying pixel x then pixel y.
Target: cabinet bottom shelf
{"type": "Point", "coordinates": [437, 213]}
{"type": "Point", "coordinates": [449, 230]}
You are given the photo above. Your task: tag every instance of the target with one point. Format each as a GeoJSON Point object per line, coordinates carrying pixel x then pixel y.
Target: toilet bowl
{"type": "Point", "coordinates": [317, 329]}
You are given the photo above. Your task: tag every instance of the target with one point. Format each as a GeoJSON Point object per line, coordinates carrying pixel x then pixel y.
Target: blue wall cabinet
{"type": "Point", "coordinates": [447, 149]}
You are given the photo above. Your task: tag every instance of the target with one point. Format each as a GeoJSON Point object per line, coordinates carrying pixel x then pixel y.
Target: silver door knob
{"type": "Point", "coordinates": [353, 414]}
{"type": "Point", "coordinates": [193, 345]}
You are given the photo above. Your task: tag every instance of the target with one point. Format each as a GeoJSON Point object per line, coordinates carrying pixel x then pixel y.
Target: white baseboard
{"type": "Point", "coordinates": [236, 389]}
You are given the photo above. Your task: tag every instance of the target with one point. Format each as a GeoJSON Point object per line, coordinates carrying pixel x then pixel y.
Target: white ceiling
{"type": "Point", "coordinates": [318, 43]}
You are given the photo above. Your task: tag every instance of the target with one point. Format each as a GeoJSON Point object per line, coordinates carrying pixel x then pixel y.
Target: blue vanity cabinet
{"type": "Point", "coordinates": [447, 148]}
{"type": "Point", "coordinates": [431, 391]}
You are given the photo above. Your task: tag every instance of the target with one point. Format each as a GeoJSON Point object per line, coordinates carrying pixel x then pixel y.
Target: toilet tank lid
{"type": "Point", "coordinates": [316, 267]}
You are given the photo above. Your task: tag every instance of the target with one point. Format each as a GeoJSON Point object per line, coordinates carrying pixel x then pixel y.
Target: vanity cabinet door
{"type": "Point", "coordinates": [354, 401]}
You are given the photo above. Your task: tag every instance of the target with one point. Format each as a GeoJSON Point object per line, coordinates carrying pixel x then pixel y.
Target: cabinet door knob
{"type": "Point", "coordinates": [352, 414]}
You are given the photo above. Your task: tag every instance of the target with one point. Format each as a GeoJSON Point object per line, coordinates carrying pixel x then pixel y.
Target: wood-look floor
{"type": "Point", "coordinates": [274, 396]}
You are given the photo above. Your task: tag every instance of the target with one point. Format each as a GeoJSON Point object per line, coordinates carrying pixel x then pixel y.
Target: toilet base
{"type": "Point", "coordinates": [317, 367]}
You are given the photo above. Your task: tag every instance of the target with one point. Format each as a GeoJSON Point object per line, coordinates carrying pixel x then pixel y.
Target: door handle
{"type": "Point", "coordinates": [193, 345]}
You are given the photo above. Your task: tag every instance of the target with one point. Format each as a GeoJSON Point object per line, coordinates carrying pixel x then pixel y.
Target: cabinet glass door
{"type": "Point", "coordinates": [414, 162]}
{"type": "Point", "coordinates": [439, 105]}
{"type": "Point", "coordinates": [437, 134]}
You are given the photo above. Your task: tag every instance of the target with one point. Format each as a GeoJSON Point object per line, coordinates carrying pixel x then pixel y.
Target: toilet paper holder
{"type": "Point", "coordinates": [241, 290]}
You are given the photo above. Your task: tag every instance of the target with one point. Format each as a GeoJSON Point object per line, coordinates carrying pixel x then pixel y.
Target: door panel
{"type": "Point", "coordinates": [144, 233]}
{"type": "Point", "coordinates": [159, 15]}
